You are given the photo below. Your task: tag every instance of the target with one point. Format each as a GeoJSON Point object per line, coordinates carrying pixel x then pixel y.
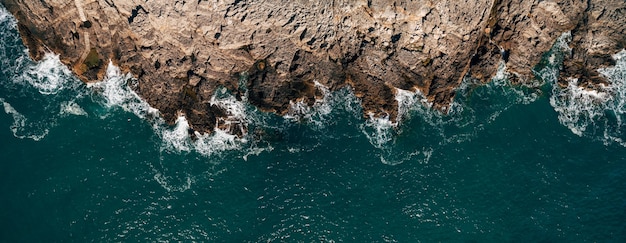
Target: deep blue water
{"type": "Point", "coordinates": [524, 164]}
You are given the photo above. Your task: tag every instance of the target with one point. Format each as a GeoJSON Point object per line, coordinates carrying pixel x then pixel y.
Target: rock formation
{"type": "Point", "coordinates": [181, 51]}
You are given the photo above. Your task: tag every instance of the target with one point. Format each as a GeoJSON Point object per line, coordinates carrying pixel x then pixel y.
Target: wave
{"type": "Point", "coordinates": [114, 92]}
{"type": "Point", "coordinates": [420, 130]}
{"type": "Point", "coordinates": [321, 113]}
{"type": "Point", "coordinates": [597, 113]}
{"type": "Point", "coordinates": [71, 108]}
{"type": "Point", "coordinates": [12, 50]}
{"type": "Point", "coordinates": [47, 85]}
{"type": "Point", "coordinates": [238, 117]}
{"type": "Point", "coordinates": [475, 106]}
{"type": "Point", "coordinates": [549, 68]}
{"type": "Point", "coordinates": [409, 101]}
{"type": "Point", "coordinates": [379, 130]}
{"type": "Point", "coordinates": [176, 142]}
{"type": "Point", "coordinates": [394, 147]}
{"type": "Point", "coordinates": [49, 76]}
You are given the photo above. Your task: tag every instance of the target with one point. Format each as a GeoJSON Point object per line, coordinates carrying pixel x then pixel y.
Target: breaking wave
{"type": "Point", "coordinates": [424, 129]}
{"type": "Point", "coordinates": [321, 113]}
{"type": "Point", "coordinates": [115, 92]}
{"type": "Point", "coordinates": [71, 108]}
{"type": "Point", "coordinates": [49, 76]}
{"type": "Point", "coordinates": [50, 89]}
{"type": "Point", "coordinates": [387, 136]}
{"type": "Point", "coordinates": [596, 113]}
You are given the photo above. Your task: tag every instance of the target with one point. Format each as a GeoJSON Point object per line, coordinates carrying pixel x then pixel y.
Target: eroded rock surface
{"type": "Point", "coordinates": [182, 51]}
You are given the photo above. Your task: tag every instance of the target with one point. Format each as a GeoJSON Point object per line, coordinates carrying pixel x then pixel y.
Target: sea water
{"type": "Point", "coordinates": [95, 162]}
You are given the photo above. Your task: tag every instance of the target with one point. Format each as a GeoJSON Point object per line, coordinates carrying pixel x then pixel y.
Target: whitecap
{"type": "Point", "coordinates": [410, 101]}
{"type": "Point", "coordinates": [71, 108]}
{"type": "Point", "coordinates": [319, 113]}
{"type": "Point", "coordinates": [49, 76]}
{"type": "Point", "coordinates": [599, 112]}
{"type": "Point", "coordinates": [237, 113]}
{"type": "Point", "coordinates": [383, 134]}
{"type": "Point", "coordinates": [577, 107]}
{"type": "Point", "coordinates": [254, 150]}
{"type": "Point", "coordinates": [177, 139]}
{"type": "Point", "coordinates": [549, 69]}
{"type": "Point", "coordinates": [115, 92]}
{"type": "Point", "coordinates": [50, 88]}
{"type": "Point", "coordinates": [220, 140]}
{"type": "Point", "coordinates": [472, 109]}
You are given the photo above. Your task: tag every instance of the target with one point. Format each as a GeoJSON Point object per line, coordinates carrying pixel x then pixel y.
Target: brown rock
{"type": "Point", "coordinates": [181, 51]}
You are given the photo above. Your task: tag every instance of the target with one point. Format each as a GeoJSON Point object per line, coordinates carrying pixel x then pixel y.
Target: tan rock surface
{"type": "Point", "coordinates": [181, 51]}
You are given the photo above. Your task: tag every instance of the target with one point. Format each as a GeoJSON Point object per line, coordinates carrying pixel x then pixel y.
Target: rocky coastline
{"type": "Point", "coordinates": [180, 52]}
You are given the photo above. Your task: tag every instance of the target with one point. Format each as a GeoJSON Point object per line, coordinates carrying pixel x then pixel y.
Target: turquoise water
{"type": "Point", "coordinates": [525, 164]}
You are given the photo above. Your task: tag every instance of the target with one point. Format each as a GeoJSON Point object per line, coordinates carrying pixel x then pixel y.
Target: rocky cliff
{"type": "Point", "coordinates": [181, 51]}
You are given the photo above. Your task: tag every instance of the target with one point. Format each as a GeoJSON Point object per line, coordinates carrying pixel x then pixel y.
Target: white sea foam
{"type": "Point", "coordinates": [49, 84]}
{"type": "Point", "coordinates": [617, 79]}
{"type": "Point", "coordinates": [317, 114]}
{"type": "Point", "coordinates": [5, 17]}
{"type": "Point", "coordinates": [462, 122]}
{"type": "Point", "coordinates": [382, 133]}
{"type": "Point", "coordinates": [577, 107]}
{"type": "Point", "coordinates": [379, 131]}
{"type": "Point", "coordinates": [409, 101]}
{"type": "Point", "coordinates": [71, 108]}
{"type": "Point", "coordinates": [237, 117]}
{"type": "Point", "coordinates": [218, 141]}
{"type": "Point", "coordinates": [116, 93]}
{"type": "Point", "coordinates": [177, 139]}
{"type": "Point", "coordinates": [524, 93]}
{"type": "Point", "coordinates": [222, 139]}
{"type": "Point", "coordinates": [598, 112]}
{"type": "Point", "coordinates": [49, 76]}
{"type": "Point", "coordinates": [21, 127]}
{"type": "Point", "coordinates": [254, 150]}
{"type": "Point", "coordinates": [550, 72]}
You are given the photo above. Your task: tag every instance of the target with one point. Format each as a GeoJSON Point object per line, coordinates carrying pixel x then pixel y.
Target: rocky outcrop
{"type": "Point", "coordinates": [182, 51]}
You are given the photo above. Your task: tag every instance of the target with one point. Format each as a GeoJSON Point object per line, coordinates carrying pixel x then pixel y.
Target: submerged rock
{"type": "Point", "coordinates": [180, 52]}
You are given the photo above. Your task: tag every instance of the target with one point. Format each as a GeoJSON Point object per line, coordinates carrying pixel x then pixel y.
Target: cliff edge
{"type": "Point", "coordinates": [180, 52]}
